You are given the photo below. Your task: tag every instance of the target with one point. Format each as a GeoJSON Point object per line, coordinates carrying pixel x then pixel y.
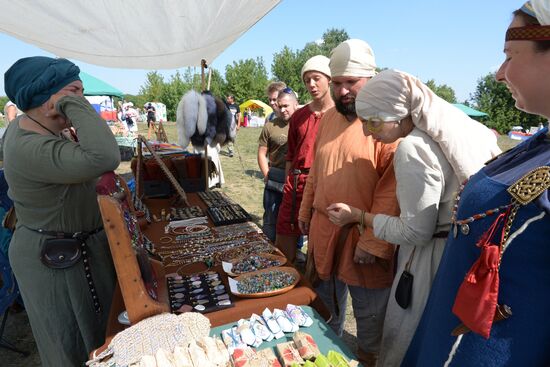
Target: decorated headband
{"type": "Point", "coordinates": [529, 33]}
{"type": "Point", "coordinates": [532, 32]}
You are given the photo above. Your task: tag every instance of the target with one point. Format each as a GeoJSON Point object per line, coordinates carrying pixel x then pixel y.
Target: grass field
{"type": "Point", "coordinates": [243, 183]}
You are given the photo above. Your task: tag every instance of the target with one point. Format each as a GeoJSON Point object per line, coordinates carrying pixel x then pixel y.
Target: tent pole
{"type": "Point", "coordinates": [203, 66]}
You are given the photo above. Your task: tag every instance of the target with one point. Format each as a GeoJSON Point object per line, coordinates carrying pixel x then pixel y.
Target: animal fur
{"type": "Point", "coordinates": [212, 118]}
{"type": "Point", "coordinates": [225, 118]}
{"type": "Point", "coordinates": [202, 118]}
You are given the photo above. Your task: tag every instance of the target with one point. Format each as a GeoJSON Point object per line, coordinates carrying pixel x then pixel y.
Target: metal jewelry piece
{"type": "Point", "coordinates": [465, 229]}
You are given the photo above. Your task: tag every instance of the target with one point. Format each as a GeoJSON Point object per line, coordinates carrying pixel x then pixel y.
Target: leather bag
{"type": "Point", "coordinates": [61, 253]}
{"type": "Point", "coordinates": [275, 179]}
{"type": "Point", "coordinates": [403, 291]}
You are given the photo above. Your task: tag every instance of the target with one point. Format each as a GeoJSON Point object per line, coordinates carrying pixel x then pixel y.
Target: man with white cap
{"type": "Point", "coordinates": [352, 168]}
{"type": "Point", "coordinates": [299, 158]}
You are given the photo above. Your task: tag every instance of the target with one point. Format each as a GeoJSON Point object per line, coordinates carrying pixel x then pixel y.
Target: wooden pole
{"type": "Point", "coordinates": [166, 171]}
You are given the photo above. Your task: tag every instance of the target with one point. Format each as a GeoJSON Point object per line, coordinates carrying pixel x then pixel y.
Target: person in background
{"type": "Point", "coordinates": [151, 115]}
{"type": "Point", "coordinates": [272, 93]}
{"type": "Point", "coordinates": [395, 106]}
{"type": "Point", "coordinates": [11, 111]}
{"type": "Point", "coordinates": [299, 158]}
{"type": "Point", "coordinates": [52, 182]}
{"type": "Point", "coordinates": [352, 168]}
{"type": "Point", "coordinates": [234, 108]}
{"type": "Point", "coordinates": [490, 298]}
{"type": "Point", "coordinates": [272, 148]}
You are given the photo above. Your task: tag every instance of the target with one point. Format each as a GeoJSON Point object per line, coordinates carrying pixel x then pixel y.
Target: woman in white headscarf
{"type": "Point", "coordinates": [439, 147]}
{"type": "Point", "coordinates": [490, 298]}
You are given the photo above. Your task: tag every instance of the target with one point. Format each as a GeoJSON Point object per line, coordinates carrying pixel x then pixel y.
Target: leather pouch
{"type": "Point", "coordinates": [275, 179]}
{"type": "Point", "coordinates": [403, 291]}
{"type": "Point", "coordinates": [61, 253]}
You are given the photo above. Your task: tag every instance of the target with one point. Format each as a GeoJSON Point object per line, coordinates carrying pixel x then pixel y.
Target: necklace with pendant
{"type": "Point", "coordinates": [464, 224]}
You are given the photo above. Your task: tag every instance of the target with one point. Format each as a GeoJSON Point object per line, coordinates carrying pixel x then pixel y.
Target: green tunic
{"type": "Point", "coordinates": [52, 183]}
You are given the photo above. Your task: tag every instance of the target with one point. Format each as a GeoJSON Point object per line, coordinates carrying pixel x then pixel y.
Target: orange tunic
{"type": "Point", "coordinates": [354, 169]}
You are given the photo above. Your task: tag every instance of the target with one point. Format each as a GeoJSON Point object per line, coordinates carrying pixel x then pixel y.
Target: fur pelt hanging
{"type": "Point", "coordinates": [224, 121]}
{"type": "Point", "coordinates": [212, 118]}
{"type": "Point", "coordinates": [191, 118]}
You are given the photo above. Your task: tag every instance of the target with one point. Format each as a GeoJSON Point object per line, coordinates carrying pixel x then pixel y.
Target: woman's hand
{"type": "Point", "coordinates": [304, 227]}
{"type": "Point", "coordinates": [363, 257]}
{"type": "Point", "coordinates": [342, 214]}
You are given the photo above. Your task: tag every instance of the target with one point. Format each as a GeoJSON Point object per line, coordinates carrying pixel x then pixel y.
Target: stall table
{"type": "Point", "coordinates": [321, 332]}
{"type": "Point", "coordinates": [301, 294]}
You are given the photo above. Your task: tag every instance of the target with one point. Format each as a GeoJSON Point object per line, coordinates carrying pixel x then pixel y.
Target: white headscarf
{"type": "Point", "coordinates": [541, 8]}
{"type": "Point", "coordinates": [466, 143]}
{"type": "Point", "coordinates": [354, 58]}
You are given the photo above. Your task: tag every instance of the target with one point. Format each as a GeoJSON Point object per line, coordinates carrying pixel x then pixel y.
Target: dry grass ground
{"type": "Point", "coordinates": [242, 182]}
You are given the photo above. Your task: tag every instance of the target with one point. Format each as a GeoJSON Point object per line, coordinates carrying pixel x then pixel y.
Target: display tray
{"type": "Point", "coordinates": [289, 271]}
{"type": "Point", "coordinates": [229, 266]}
{"type": "Point", "coordinates": [203, 292]}
{"type": "Point", "coordinates": [228, 214]}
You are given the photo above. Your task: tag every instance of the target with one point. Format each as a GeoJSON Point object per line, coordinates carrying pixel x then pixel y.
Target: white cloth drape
{"type": "Point", "coordinates": [143, 34]}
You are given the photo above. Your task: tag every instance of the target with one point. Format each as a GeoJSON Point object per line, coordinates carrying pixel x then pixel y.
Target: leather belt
{"type": "Point", "coordinates": [81, 234]}
{"type": "Point", "coordinates": [441, 234]}
{"type": "Point", "coordinates": [304, 171]}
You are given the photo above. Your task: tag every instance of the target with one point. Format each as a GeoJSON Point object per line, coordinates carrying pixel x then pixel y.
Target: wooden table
{"type": "Point", "coordinates": [302, 294]}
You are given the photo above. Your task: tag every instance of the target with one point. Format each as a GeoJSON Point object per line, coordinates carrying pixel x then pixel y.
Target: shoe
{"type": "Point", "coordinates": [367, 359]}
{"type": "Point", "coordinates": [230, 154]}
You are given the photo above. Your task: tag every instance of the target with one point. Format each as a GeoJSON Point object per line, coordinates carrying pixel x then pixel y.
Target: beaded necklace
{"type": "Point", "coordinates": [464, 223]}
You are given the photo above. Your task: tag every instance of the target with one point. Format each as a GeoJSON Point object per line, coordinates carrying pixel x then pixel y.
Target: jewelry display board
{"type": "Point", "coordinates": [222, 210]}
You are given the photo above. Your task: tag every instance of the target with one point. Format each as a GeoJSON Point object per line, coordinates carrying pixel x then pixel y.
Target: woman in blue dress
{"type": "Point", "coordinates": [490, 299]}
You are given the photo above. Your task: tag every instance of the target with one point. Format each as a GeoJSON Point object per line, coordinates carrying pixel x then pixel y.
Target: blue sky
{"type": "Point", "coordinates": [452, 42]}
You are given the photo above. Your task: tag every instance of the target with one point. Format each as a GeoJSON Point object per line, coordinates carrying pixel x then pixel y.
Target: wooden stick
{"type": "Point", "coordinates": [166, 171]}
{"type": "Point", "coordinates": [139, 175]}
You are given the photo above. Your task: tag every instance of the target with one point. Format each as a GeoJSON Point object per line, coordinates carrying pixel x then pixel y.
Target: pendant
{"type": "Point", "coordinates": [455, 231]}
{"type": "Point", "coordinates": [465, 229]}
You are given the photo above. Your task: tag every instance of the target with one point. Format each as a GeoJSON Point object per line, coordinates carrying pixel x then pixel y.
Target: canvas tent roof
{"type": "Point", "coordinates": [470, 111]}
{"type": "Point", "coordinates": [96, 87]}
{"type": "Point", "coordinates": [255, 104]}
{"type": "Point", "coordinates": [140, 34]}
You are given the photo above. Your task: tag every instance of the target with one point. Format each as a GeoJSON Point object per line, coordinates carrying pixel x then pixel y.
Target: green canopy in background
{"type": "Point", "coordinates": [95, 87]}
{"type": "Point", "coordinates": [469, 110]}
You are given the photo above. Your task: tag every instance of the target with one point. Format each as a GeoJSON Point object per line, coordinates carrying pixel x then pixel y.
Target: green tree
{"type": "Point", "coordinates": [246, 79]}
{"type": "Point", "coordinates": [287, 64]}
{"type": "Point", "coordinates": [152, 89]}
{"type": "Point", "coordinates": [495, 99]}
{"type": "Point", "coordinates": [332, 38]}
{"type": "Point", "coordinates": [443, 91]}
{"type": "Point", "coordinates": [172, 93]}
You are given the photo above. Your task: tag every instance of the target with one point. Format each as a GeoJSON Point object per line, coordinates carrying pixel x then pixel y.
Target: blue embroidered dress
{"type": "Point", "coordinates": [524, 338]}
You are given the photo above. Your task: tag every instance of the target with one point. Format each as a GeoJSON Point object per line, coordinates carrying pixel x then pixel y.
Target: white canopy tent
{"type": "Point", "coordinates": [137, 34]}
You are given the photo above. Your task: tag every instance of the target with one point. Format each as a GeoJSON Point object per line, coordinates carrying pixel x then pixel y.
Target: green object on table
{"type": "Point", "coordinates": [322, 361]}
{"type": "Point", "coordinates": [307, 364]}
{"type": "Point", "coordinates": [323, 335]}
{"type": "Point", "coordinates": [336, 359]}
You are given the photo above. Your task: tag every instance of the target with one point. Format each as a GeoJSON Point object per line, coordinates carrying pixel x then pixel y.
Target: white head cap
{"type": "Point", "coordinates": [317, 63]}
{"type": "Point", "coordinates": [353, 57]}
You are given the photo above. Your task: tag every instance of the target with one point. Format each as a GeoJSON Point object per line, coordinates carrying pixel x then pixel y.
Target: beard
{"type": "Point", "coordinates": [346, 109]}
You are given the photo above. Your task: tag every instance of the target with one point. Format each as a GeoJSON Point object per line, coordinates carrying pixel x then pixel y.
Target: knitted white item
{"type": "Point", "coordinates": [164, 331]}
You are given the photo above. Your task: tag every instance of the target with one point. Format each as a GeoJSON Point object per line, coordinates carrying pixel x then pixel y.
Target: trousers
{"type": "Point", "coordinates": [272, 202]}
{"type": "Point", "coordinates": [369, 308]}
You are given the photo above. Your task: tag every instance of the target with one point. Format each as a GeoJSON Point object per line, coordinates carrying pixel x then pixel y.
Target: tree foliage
{"type": "Point", "coordinates": [246, 79]}
{"type": "Point", "coordinates": [495, 99]}
{"type": "Point", "coordinates": [287, 64]}
{"type": "Point", "coordinates": [442, 90]}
